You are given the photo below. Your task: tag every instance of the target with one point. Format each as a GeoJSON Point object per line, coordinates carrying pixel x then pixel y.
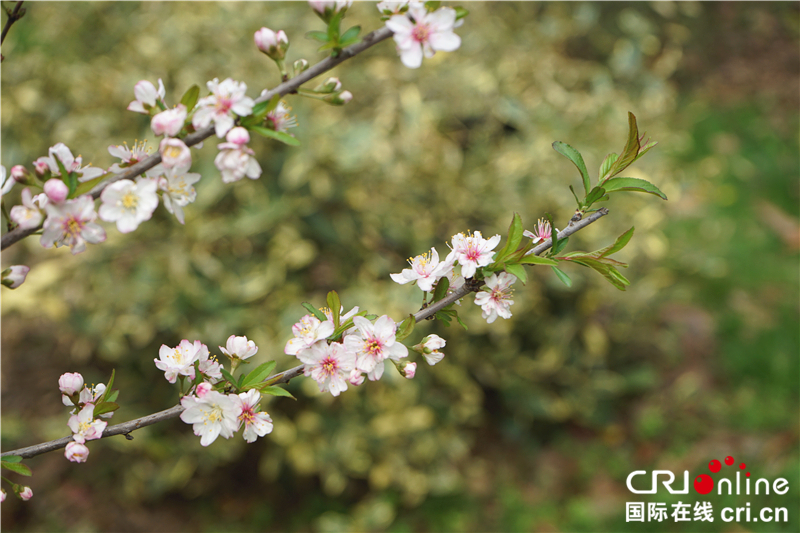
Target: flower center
{"type": "Point", "coordinates": [129, 201]}
{"type": "Point", "coordinates": [72, 227]}
{"type": "Point", "coordinates": [374, 347]}
{"type": "Point", "coordinates": [421, 33]}
{"type": "Point", "coordinates": [329, 366]}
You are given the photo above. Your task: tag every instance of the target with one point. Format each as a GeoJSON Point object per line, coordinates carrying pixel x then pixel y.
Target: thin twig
{"type": "Point", "coordinates": [284, 377]}
{"type": "Point", "coordinates": [12, 18]}
{"type": "Point", "coordinates": [284, 88]}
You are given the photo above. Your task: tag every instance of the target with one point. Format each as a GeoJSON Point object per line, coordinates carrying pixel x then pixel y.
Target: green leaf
{"type": "Point", "coordinates": [276, 391]}
{"type": "Point", "coordinates": [461, 322]}
{"type": "Point", "coordinates": [335, 305]}
{"type": "Point", "coordinates": [580, 205]}
{"type": "Point", "coordinates": [515, 231]}
{"type": "Point", "coordinates": [441, 289]}
{"type": "Point", "coordinates": [432, 5]}
{"type": "Point", "coordinates": [518, 271]}
{"type": "Point", "coordinates": [113, 396]}
{"type": "Point", "coordinates": [320, 36]}
{"type": "Point", "coordinates": [561, 245]}
{"type": "Point", "coordinates": [460, 12]}
{"type": "Point", "coordinates": [228, 376]}
{"type": "Point", "coordinates": [190, 97]}
{"type": "Point", "coordinates": [632, 184]}
{"type": "Point", "coordinates": [87, 186]}
{"type": "Point", "coordinates": [314, 311]}
{"type": "Point", "coordinates": [334, 26]}
{"type": "Point", "coordinates": [573, 155]}
{"type": "Point", "coordinates": [72, 183]}
{"type": "Point", "coordinates": [105, 407]}
{"type": "Point", "coordinates": [631, 150]}
{"type": "Point", "coordinates": [444, 316]}
{"type": "Point", "coordinates": [277, 135]}
{"type": "Point", "coordinates": [259, 374]}
{"type": "Point", "coordinates": [350, 34]}
{"type": "Point", "coordinates": [562, 276]}
{"type": "Point", "coordinates": [618, 245]}
{"type": "Point", "coordinates": [405, 328]}
{"type": "Point", "coordinates": [12, 458]}
{"type": "Point", "coordinates": [606, 166]}
{"type": "Point", "coordinates": [19, 468]}
{"type": "Point", "coordinates": [110, 384]}
{"type": "Point", "coordinates": [596, 194]}
{"type": "Point", "coordinates": [536, 260]}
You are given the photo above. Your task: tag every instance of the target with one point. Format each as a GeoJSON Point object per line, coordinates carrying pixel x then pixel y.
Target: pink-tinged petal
{"type": "Point", "coordinates": [445, 41]}
{"type": "Point", "coordinates": [385, 328]}
{"type": "Point", "coordinates": [400, 24]}
{"type": "Point", "coordinates": [137, 107]}
{"type": "Point", "coordinates": [376, 372]}
{"type": "Point", "coordinates": [94, 233]}
{"type": "Point", "coordinates": [418, 12]}
{"type": "Point", "coordinates": [412, 57]}
{"type": "Point", "coordinates": [442, 19]}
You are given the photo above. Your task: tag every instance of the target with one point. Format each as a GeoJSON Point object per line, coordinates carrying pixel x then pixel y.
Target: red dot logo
{"type": "Point", "coordinates": [714, 466]}
{"type": "Point", "coordinates": [703, 483]}
{"type": "Point", "coordinates": [729, 460]}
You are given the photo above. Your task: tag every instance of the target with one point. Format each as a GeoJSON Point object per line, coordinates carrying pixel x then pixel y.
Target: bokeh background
{"type": "Point", "coordinates": [529, 424]}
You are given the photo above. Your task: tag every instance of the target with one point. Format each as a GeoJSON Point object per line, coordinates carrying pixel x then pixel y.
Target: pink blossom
{"type": "Point", "coordinates": [84, 426]}
{"type": "Point", "coordinates": [202, 389]}
{"type": "Point", "coordinates": [329, 365]}
{"type": "Point", "coordinates": [26, 494]}
{"type": "Point", "coordinates": [429, 348]}
{"type": "Point", "coordinates": [410, 370]}
{"type": "Point", "coordinates": [177, 186]}
{"type": "Point", "coordinates": [19, 172]}
{"type": "Point", "coordinates": [208, 365]}
{"type": "Point", "coordinates": [472, 251]}
{"type": "Point", "coordinates": [540, 233]}
{"type": "Point", "coordinates": [174, 153]}
{"type": "Point", "coordinates": [425, 270]}
{"type": "Point", "coordinates": [129, 203]}
{"type": "Point", "coordinates": [2, 495]}
{"type": "Point", "coordinates": [146, 96]}
{"type": "Point", "coordinates": [256, 423]}
{"type": "Point", "coordinates": [70, 383]}
{"type": "Point", "coordinates": [356, 378]}
{"type": "Point", "coordinates": [375, 343]}
{"type": "Point", "coordinates": [76, 452]}
{"type": "Point", "coordinates": [280, 119]}
{"type": "Point", "coordinates": [129, 156]}
{"type": "Point", "coordinates": [27, 215]}
{"type": "Point", "coordinates": [239, 348]}
{"type": "Point", "coordinates": [5, 185]}
{"type": "Point", "coordinates": [179, 361]}
{"type": "Point", "coordinates": [306, 332]}
{"type": "Point", "coordinates": [212, 415]}
{"type": "Point", "coordinates": [227, 98]}
{"type": "Point", "coordinates": [497, 300]}
{"type": "Point", "coordinates": [419, 33]}
{"type": "Point", "coordinates": [72, 224]}
{"type": "Point", "coordinates": [236, 161]}
{"type": "Point", "coordinates": [60, 152]}
{"type": "Point", "coordinates": [169, 122]}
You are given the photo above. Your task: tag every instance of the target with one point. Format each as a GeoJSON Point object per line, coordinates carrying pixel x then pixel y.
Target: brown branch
{"type": "Point", "coordinates": [284, 377]}
{"type": "Point", "coordinates": [284, 88]}
{"type": "Point", "coordinates": [14, 16]}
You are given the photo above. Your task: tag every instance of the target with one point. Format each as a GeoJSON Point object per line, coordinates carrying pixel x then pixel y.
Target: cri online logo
{"type": "Point", "coordinates": [704, 484]}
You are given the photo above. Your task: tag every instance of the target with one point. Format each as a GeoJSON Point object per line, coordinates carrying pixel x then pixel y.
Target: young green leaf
{"type": "Point", "coordinates": [351, 34]}
{"type": "Point", "coordinates": [228, 376]}
{"type": "Point", "coordinates": [105, 407]}
{"type": "Point", "coordinates": [12, 458]}
{"type": "Point", "coordinates": [335, 305]}
{"type": "Point", "coordinates": [19, 468]}
{"type": "Point", "coordinates": [631, 150]}
{"type": "Point", "coordinates": [259, 374]}
{"type": "Point", "coordinates": [632, 184]}
{"type": "Point", "coordinates": [87, 186]}
{"type": "Point", "coordinates": [320, 36]}
{"type": "Point", "coordinates": [314, 311]}
{"type": "Point", "coordinates": [518, 271]}
{"type": "Point", "coordinates": [276, 391]}
{"type": "Point", "coordinates": [190, 97]}
{"type": "Point", "coordinates": [277, 135]}
{"type": "Point", "coordinates": [562, 276]}
{"type": "Point", "coordinates": [618, 245]}
{"type": "Point", "coordinates": [596, 194]}
{"type": "Point", "coordinates": [573, 155]}
{"type": "Point", "coordinates": [441, 289]}
{"type": "Point", "coordinates": [515, 231]}
{"type": "Point", "coordinates": [405, 328]}
{"type": "Point", "coordinates": [606, 166]}
{"type": "Point", "coordinates": [536, 260]}
{"type": "Point", "coordinates": [561, 245]}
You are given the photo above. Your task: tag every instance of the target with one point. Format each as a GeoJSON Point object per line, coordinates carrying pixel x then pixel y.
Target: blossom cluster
{"type": "Point", "coordinates": [84, 424]}
{"type": "Point", "coordinates": [211, 412]}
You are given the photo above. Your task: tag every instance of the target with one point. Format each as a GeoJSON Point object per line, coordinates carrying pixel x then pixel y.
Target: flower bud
{"type": "Point", "coordinates": [70, 383]}
{"type": "Point", "coordinates": [202, 389]}
{"type": "Point", "coordinates": [356, 378]}
{"type": "Point", "coordinates": [2, 495]}
{"type": "Point", "coordinates": [327, 9]}
{"type": "Point", "coordinates": [175, 153]}
{"type": "Point", "coordinates": [339, 98]}
{"type": "Point", "coordinates": [76, 452]}
{"type": "Point", "coordinates": [26, 494]}
{"type": "Point", "coordinates": [410, 370]}
{"type": "Point", "coordinates": [15, 276]}
{"type": "Point", "coordinates": [331, 85]}
{"type": "Point", "coordinates": [271, 43]}
{"type": "Point", "coordinates": [238, 135]}
{"type": "Point", "coordinates": [19, 173]}
{"type": "Point", "coordinates": [301, 65]}
{"type": "Point", "coordinates": [56, 190]}
{"type": "Point", "coordinates": [40, 166]}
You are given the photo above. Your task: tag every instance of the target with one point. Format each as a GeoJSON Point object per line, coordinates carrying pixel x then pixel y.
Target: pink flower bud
{"type": "Point", "coordinates": [339, 98]}
{"type": "Point", "coordinates": [15, 276]}
{"type": "Point", "coordinates": [331, 85]}
{"type": "Point", "coordinates": [174, 153]}
{"type": "Point", "coordinates": [76, 452]}
{"type": "Point", "coordinates": [19, 172]}
{"type": "Point", "coordinates": [70, 383]}
{"type": "Point", "coordinates": [56, 190]}
{"type": "Point", "coordinates": [238, 135]}
{"type": "Point", "coordinates": [169, 122]}
{"type": "Point", "coordinates": [26, 494]}
{"type": "Point", "coordinates": [410, 370]}
{"type": "Point", "coordinates": [41, 166]}
{"type": "Point", "coordinates": [356, 378]}
{"type": "Point", "coordinates": [301, 65]}
{"type": "Point", "coordinates": [202, 389]}
{"type": "Point", "coordinates": [271, 43]}
{"type": "Point", "coordinates": [2, 495]}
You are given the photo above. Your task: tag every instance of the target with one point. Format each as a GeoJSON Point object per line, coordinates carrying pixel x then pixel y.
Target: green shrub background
{"type": "Point", "coordinates": [529, 424]}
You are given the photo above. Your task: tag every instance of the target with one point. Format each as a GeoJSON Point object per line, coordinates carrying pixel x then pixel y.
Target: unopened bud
{"type": "Point", "coordinates": [56, 190]}
{"type": "Point", "coordinates": [14, 276]}
{"type": "Point", "coordinates": [331, 85]}
{"type": "Point", "coordinates": [339, 98]}
{"type": "Point", "coordinates": [301, 65]}
{"type": "Point", "coordinates": [327, 9]}
{"type": "Point", "coordinates": [271, 43]}
{"type": "Point", "coordinates": [238, 135]}
{"type": "Point", "coordinates": [19, 173]}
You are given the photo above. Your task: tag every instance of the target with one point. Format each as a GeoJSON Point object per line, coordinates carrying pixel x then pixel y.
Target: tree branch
{"type": "Point", "coordinates": [12, 18]}
{"type": "Point", "coordinates": [284, 88]}
{"type": "Point", "coordinates": [284, 377]}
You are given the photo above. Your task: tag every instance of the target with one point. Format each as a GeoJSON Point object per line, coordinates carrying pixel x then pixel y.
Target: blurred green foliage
{"type": "Point", "coordinates": [530, 424]}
